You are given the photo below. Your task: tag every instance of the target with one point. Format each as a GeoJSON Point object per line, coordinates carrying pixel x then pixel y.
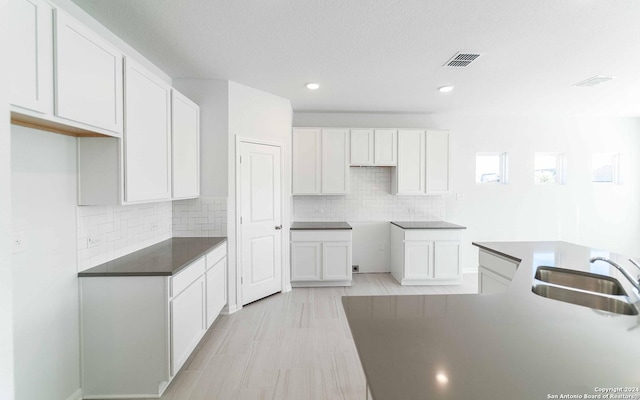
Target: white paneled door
{"type": "Point", "coordinates": [260, 219]}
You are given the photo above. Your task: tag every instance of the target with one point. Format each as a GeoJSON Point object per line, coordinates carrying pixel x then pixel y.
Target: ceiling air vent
{"type": "Point", "coordinates": [596, 80]}
{"type": "Point", "coordinates": [462, 59]}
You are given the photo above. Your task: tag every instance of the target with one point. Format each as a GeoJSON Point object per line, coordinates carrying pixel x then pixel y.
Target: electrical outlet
{"type": "Point", "coordinates": [93, 241]}
{"type": "Point", "coordinates": [19, 242]}
{"type": "Point", "coordinates": [355, 268]}
{"type": "Point", "coordinates": [459, 197]}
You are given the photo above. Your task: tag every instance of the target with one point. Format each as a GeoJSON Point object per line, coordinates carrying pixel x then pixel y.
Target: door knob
{"type": "Point", "coordinates": [278, 227]}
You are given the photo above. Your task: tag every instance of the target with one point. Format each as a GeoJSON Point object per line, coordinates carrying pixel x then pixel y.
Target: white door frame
{"type": "Point", "coordinates": [285, 238]}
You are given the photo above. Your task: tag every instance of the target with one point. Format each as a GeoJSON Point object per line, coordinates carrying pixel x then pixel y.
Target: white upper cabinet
{"type": "Point", "coordinates": [185, 147]}
{"type": "Point", "coordinates": [320, 161]}
{"type": "Point", "coordinates": [362, 145]}
{"type": "Point", "coordinates": [136, 168]}
{"type": "Point", "coordinates": [410, 177]}
{"type": "Point", "coordinates": [423, 162]}
{"type": "Point", "coordinates": [371, 147]}
{"type": "Point", "coordinates": [437, 162]}
{"type": "Point", "coordinates": [386, 147]}
{"type": "Point", "coordinates": [335, 161]}
{"type": "Point", "coordinates": [88, 76]}
{"type": "Point", "coordinates": [31, 28]}
{"type": "Point", "coordinates": [147, 136]}
{"type": "Point", "coordinates": [307, 162]}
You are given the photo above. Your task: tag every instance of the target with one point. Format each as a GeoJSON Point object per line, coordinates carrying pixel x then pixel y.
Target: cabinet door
{"type": "Point", "coordinates": [185, 147]}
{"type": "Point", "coordinates": [437, 162]}
{"type": "Point", "coordinates": [216, 278]}
{"type": "Point", "coordinates": [31, 65]}
{"type": "Point", "coordinates": [386, 147]}
{"type": "Point", "coordinates": [147, 136]}
{"type": "Point", "coordinates": [418, 260]}
{"type": "Point", "coordinates": [88, 76]}
{"type": "Point", "coordinates": [446, 260]}
{"type": "Point", "coordinates": [336, 261]}
{"type": "Point", "coordinates": [306, 262]}
{"type": "Point", "coordinates": [489, 283]}
{"type": "Point", "coordinates": [361, 147]}
{"type": "Point", "coordinates": [411, 169]}
{"type": "Point", "coordinates": [335, 161]}
{"type": "Point", "coordinates": [306, 161]}
{"type": "Point", "coordinates": [187, 323]}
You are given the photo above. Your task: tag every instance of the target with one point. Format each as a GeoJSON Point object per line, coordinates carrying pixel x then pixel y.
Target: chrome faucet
{"type": "Point", "coordinates": [634, 282]}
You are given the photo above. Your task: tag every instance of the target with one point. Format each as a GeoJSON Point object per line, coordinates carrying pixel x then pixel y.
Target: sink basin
{"type": "Point", "coordinates": [591, 300]}
{"type": "Point", "coordinates": [580, 280]}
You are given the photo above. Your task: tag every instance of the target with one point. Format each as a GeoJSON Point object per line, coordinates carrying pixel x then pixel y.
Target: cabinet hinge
{"type": "Point", "coordinates": [240, 220]}
{"type": "Point", "coordinates": [240, 159]}
{"type": "Point", "coordinates": [242, 280]}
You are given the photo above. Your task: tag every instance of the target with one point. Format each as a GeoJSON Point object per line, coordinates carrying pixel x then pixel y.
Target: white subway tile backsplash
{"type": "Point", "coordinates": [205, 216]}
{"type": "Point", "coordinates": [369, 199]}
{"type": "Point", "coordinates": [120, 230]}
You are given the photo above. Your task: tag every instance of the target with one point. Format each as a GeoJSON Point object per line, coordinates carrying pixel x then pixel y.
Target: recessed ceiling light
{"type": "Point", "coordinates": [445, 89]}
{"type": "Point", "coordinates": [312, 85]}
{"type": "Point", "coordinates": [442, 378]}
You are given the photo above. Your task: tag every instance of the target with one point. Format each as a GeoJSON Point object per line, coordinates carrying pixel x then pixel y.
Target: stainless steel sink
{"type": "Point", "coordinates": [605, 303]}
{"type": "Point", "coordinates": [582, 288]}
{"type": "Point", "coordinates": [580, 280]}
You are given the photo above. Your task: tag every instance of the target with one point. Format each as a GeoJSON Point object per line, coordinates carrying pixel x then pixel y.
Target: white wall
{"type": "Point", "coordinates": [45, 289]}
{"type": "Point", "coordinates": [6, 283]}
{"type": "Point", "coordinates": [597, 215]}
{"type": "Point", "coordinates": [259, 115]}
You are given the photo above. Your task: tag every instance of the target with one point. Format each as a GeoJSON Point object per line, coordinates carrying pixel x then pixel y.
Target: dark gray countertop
{"type": "Point", "coordinates": [303, 226]}
{"type": "Point", "coordinates": [162, 259]}
{"type": "Point", "coordinates": [427, 225]}
{"type": "Point", "coordinates": [513, 345]}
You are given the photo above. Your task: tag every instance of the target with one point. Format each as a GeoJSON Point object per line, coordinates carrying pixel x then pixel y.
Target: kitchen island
{"type": "Point", "coordinates": [503, 346]}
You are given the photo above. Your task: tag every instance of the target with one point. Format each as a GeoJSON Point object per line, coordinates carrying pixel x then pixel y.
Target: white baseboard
{"type": "Point", "coordinates": [230, 309]}
{"type": "Point", "coordinates": [77, 395]}
{"type": "Point", "coordinates": [470, 270]}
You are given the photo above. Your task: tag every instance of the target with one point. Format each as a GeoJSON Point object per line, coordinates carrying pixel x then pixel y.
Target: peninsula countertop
{"type": "Point", "coordinates": [513, 345]}
{"type": "Point", "coordinates": [162, 259]}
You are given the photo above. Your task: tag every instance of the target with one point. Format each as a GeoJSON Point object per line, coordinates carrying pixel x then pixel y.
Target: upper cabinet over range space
{"type": "Point", "coordinates": [419, 157]}
{"type": "Point", "coordinates": [374, 147]}
{"type": "Point", "coordinates": [138, 138]}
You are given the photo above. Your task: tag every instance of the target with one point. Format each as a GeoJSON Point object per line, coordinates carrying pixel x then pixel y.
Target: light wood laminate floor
{"type": "Point", "coordinates": [294, 345]}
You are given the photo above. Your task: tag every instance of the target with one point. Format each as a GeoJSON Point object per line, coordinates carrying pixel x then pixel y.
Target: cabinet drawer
{"type": "Point", "coordinates": [334, 235]}
{"type": "Point", "coordinates": [497, 264]}
{"type": "Point", "coordinates": [216, 255]}
{"type": "Point", "coordinates": [188, 275]}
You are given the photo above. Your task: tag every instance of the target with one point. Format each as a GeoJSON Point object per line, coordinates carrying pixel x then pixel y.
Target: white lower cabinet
{"type": "Point", "coordinates": [187, 322]}
{"type": "Point", "coordinates": [321, 258]}
{"type": "Point", "coordinates": [216, 279]}
{"type": "Point", "coordinates": [426, 256]}
{"type": "Point", "coordinates": [495, 272]}
{"type": "Point", "coordinates": [138, 331]}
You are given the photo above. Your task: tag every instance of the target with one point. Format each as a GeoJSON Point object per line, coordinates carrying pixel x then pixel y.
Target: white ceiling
{"type": "Point", "coordinates": [387, 55]}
